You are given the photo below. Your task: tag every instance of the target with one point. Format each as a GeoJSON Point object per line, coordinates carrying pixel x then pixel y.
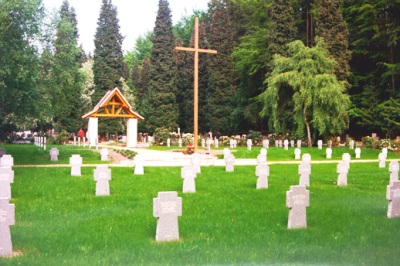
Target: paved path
{"type": "Point", "coordinates": [170, 158]}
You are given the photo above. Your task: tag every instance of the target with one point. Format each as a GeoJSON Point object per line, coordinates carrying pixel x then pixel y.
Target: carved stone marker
{"type": "Point", "coordinates": [304, 172]}
{"type": "Point", "coordinates": [7, 218]}
{"type": "Point", "coordinates": [216, 142]}
{"type": "Point", "coordinates": [231, 143]}
{"type": "Point", "coordinates": [358, 153]}
{"type": "Point", "coordinates": [279, 143]}
{"type": "Point", "coordinates": [76, 162]}
{"type": "Point", "coordinates": [226, 152]}
{"type": "Point", "coordinates": [292, 143]}
{"type": "Point", "coordinates": [297, 200]}
{"type": "Point", "coordinates": [6, 161]}
{"type": "Point", "coordinates": [319, 142]}
{"type": "Point", "coordinates": [188, 174]}
{"type": "Point", "coordinates": [196, 162]}
{"type": "Point", "coordinates": [299, 143]}
{"type": "Point", "coordinates": [104, 154]}
{"type": "Point", "coordinates": [266, 143]}
{"type": "Point", "coordinates": [168, 142]}
{"type": "Point", "coordinates": [394, 171]}
{"type": "Point", "coordinates": [286, 144]}
{"type": "Point", "coordinates": [297, 153]}
{"type": "Point", "coordinates": [180, 143]}
{"type": "Point", "coordinates": [262, 173]}
{"type": "Point", "coordinates": [261, 158]}
{"type": "Point", "coordinates": [342, 171]}
{"type": "Point", "coordinates": [139, 165]}
{"type": "Point", "coordinates": [346, 158]}
{"type": "Point", "coordinates": [249, 144]}
{"type": "Point", "coordinates": [328, 153]}
{"type": "Point", "coordinates": [6, 178]}
{"type": "Point", "coordinates": [385, 151]}
{"type": "Point", "coordinates": [393, 196]}
{"type": "Point", "coordinates": [382, 160]}
{"type": "Point", "coordinates": [54, 154]}
{"type": "Point", "coordinates": [167, 207]}
{"type": "Point", "coordinates": [263, 151]}
{"type": "Point", "coordinates": [230, 163]}
{"type": "Point", "coordinates": [102, 176]}
{"type": "Point", "coordinates": [351, 144]}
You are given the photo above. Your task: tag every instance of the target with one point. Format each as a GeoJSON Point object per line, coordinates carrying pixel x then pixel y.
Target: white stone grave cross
{"type": "Point", "coordinates": [299, 143]}
{"type": "Point", "coordinates": [231, 143]}
{"type": "Point", "coordinates": [358, 153]}
{"type": "Point", "coordinates": [286, 144]}
{"type": "Point", "coordinates": [263, 151]}
{"type": "Point", "coordinates": [104, 154]}
{"type": "Point", "coordinates": [166, 208]}
{"type": "Point", "coordinates": [216, 142]}
{"type": "Point", "coordinates": [54, 154]}
{"type": "Point", "coordinates": [74, 140]}
{"type": "Point", "coordinates": [230, 163]}
{"type": "Point", "coordinates": [328, 153]}
{"type": "Point", "coordinates": [44, 143]}
{"type": "Point", "coordinates": [346, 158]}
{"type": "Point", "coordinates": [292, 143]}
{"type": "Point", "coordinates": [208, 144]}
{"type": "Point", "coordinates": [249, 144]}
{"type": "Point", "coordinates": [394, 171]}
{"type": "Point", "coordinates": [351, 144]}
{"type": "Point", "coordinates": [6, 161]}
{"type": "Point", "coordinates": [342, 171]}
{"type": "Point", "coordinates": [297, 200]}
{"type": "Point", "coordinates": [188, 174]}
{"type": "Point", "coordinates": [168, 142]}
{"type": "Point", "coordinates": [280, 143]}
{"type": "Point", "coordinates": [6, 178]}
{"type": "Point", "coordinates": [79, 141]}
{"type": "Point", "coordinates": [7, 218]}
{"type": "Point", "coordinates": [180, 143]}
{"type": "Point", "coordinates": [196, 162]}
{"type": "Point", "coordinates": [262, 173]}
{"type": "Point", "coordinates": [226, 152]}
{"type": "Point", "coordinates": [139, 164]}
{"type": "Point", "coordinates": [203, 143]}
{"type": "Point", "coordinates": [382, 160]}
{"type": "Point", "coordinates": [319, 142]}
{"type": "Point", "coordinates": [297, 153]}
{"type": "Point", "coordinates": [385, 151]}
{"type": "Point", "coordinates": [393, 196]}
{"type": "Point", "coordinates": [304, 172]}
{"type": "Point", "coordinates": [76, 162]}
{"type": "Point", "coordinates": [102, 176]}
{"type": "Point", "coordinates": [266, 143]}
{"type": "Point", "coordinates": [261, 158]}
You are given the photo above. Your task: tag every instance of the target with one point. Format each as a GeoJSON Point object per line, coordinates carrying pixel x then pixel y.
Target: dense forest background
{"type": "Point", "coordinates": [291, 67]}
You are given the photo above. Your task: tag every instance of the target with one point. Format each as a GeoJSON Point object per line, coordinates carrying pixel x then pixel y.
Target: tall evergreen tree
{"type": "Point", "coordinates": [163, 110]}
{"type": "Point", "coordinates": [331, 26]}
{"type": "Point", "coordinates": [67, 79]}
{"type": "Point", "coordinates": [68, 13]}
{"type": "Point", "coordinates": [141, 94]}
{"type": "Point", "coordinates": [222, 75]}
{"type": "Point", "coordinates": [108, 57]}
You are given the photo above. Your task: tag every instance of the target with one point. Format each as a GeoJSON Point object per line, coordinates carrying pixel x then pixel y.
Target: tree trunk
{"type": "Point", "coordinates": [308, 127]}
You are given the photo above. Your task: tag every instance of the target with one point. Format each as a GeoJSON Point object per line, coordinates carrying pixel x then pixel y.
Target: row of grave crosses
{"type": "Point", "coordinates": [40, 141]}
{"type": "Point", "coordinates": [7, 210]}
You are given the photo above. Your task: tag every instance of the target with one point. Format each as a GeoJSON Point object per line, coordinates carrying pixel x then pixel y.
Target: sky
{"type": "Point", "coordinates": [136, 17]}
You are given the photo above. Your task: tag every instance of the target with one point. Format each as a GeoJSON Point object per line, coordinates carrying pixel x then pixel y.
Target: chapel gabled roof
{"type": "Point", "coordinates": [113, 105]}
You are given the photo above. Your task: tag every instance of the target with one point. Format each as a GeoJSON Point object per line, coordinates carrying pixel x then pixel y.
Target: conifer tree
{"type": "Point", "coordinates": [69, 15]}
{"type": "Point", "coordinates": [331, 26]}
{"type": "Point", "coordinates": [163, 110]}
{"type": "Point", "coordinates": [141, 94]}
{"type": "Point", "coordinates": [222, 76]}
{"type": "Point", "coordinates": [108, 57]}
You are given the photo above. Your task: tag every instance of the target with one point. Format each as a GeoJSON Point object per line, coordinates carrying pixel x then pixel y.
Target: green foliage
{"type": "Point", "coordinates": [161, 98]}
{"type": "Point", "coordinates": [369, 142]}
{"type": "Point", "coordinates": [161, 135]}
{"type": "Point", "coordinates": [62, 137]}
{"type": "Point", "coordinates": [319, 99]}
{"type": "Point", "coordinates": [255, 136]}
{"type": "Point", "coordinates": [108, 58]}
{"type": "Point", "coordinates": [141, 50]}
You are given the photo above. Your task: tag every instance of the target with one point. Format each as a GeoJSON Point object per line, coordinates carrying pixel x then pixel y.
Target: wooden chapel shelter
{"type": "Point", "coordinates": [113, 105]}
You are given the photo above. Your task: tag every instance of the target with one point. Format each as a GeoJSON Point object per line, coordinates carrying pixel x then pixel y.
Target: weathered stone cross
{"type": "Point", "coordinates": [196, 51]}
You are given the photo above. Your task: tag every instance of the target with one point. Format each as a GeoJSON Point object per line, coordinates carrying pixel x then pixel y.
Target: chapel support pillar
{"type": "Point", "coordinates": [93, 132]}
{"type": "Point", "coordinates": [131, 133]}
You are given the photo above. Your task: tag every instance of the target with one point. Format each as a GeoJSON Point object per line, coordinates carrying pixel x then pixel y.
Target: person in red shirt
{"type": "Point", "coordinates": [81, 133]}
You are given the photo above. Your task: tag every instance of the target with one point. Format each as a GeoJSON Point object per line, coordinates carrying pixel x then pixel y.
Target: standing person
{"type": "Point", "coordinates": [81, 133]}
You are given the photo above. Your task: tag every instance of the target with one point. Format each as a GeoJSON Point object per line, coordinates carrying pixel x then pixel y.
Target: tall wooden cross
{"type": "Point", "coordinates": [196, 51]}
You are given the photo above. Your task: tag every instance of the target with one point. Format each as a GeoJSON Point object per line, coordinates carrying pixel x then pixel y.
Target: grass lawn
{"type": "Point", "coordinates": [59, 221]}
{"type": "Point", "coordinates": [31, 154]}
{"type": "Point", "coordinates": [279, 154]}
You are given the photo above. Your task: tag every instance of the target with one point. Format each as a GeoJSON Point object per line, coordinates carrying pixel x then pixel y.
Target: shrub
{"type": "Point", "coordinates": [255, 136]}
{"type": "Point", "coordinates": [161, 135]}
{"type": "Point", "coordinates": [369, 142]}
{"type": "Point", "coordinates": [62, 138]}
{"type": "Point", "coordinates": [187, 139]}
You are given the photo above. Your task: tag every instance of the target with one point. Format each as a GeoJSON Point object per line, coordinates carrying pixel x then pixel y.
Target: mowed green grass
{"type": "Point", "coordinates": [30, 154]}
{"type": "Point", "coordinates": [60, 221]}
